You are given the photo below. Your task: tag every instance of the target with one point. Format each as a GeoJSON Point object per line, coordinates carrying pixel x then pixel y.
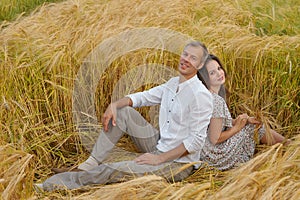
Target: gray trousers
{"type": "Point", "coordinates": [144, 136]}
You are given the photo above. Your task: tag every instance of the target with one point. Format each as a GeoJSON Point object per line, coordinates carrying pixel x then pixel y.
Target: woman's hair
{"type": "Point", "coordinates": [204, 77]}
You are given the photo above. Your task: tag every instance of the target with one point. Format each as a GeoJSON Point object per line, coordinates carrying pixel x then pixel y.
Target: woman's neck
{"type": "Point", "coordinates": [214, 90]}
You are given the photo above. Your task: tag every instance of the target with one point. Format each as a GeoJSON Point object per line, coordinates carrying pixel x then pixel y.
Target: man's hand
{"type": "Point", "coordinates": [153, 159]}
{"type": "Point", "coordinates": [149, 159]}
{"type": "Point", "coordinates": [109, 114]}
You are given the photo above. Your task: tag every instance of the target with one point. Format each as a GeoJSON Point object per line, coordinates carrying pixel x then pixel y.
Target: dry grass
{"type": "Point", "coordinates": [41, 54]}
{"type": "Point", "coordinates": [15, 172]}
{"type": "Point", "coordinates": [273, 174]}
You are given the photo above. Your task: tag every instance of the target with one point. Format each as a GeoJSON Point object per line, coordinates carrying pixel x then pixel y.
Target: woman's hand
{"type": "Point", "coordinates": [252, 120]}
{"type": "Point", "coordinates": [240, 122]}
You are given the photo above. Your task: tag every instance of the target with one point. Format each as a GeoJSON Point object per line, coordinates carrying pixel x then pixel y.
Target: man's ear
{"type": "Point", "coordinates": [200, 66]}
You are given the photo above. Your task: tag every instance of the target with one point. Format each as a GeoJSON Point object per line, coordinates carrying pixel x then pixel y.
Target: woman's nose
{"type": "Point", "coordinates": [220, 71]}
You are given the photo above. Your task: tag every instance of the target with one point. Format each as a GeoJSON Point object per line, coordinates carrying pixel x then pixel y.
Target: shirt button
{"type": "Point", "coordinates": [168, 121]}
{"type": "Point", "coordinates": [169, 110]}
{"type": "Point", "coordinates": [172, 99]}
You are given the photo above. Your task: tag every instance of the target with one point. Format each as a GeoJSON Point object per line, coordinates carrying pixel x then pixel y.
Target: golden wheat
{"type": "Point", "coordinates": [40, 56]}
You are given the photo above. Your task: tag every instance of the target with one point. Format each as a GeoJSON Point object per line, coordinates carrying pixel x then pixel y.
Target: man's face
{"type": "Point", "coordinates": [190, 61]}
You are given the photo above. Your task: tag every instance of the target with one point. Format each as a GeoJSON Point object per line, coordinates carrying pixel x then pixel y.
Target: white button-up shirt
{"type": "Point", "coordinates": [185, 112]}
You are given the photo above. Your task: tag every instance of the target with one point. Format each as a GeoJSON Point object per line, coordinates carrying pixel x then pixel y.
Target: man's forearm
{"type": "Point", "coordinates": [126, 101]}
{"type": "Point", "coordinates": [173, 154]}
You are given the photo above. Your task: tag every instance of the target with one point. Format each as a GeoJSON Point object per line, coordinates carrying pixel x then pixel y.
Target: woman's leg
{"type": "Point", "coordinates": [275, 138]}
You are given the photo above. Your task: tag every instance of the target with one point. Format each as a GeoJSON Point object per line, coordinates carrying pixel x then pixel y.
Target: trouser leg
{"type": "Point", "coordinates": [116, 172]}
{"type": "Point", "coordinates": [143, 134]}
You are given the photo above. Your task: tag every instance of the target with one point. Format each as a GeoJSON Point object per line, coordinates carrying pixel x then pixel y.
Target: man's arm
{"type": "Point", "coordinates": [111, 111]}
{"type": "Point", "coordinates": [139, 99]}
{"type": "Point", "coordinates": [200, 114]}
{"type": "Point", "coordinates": [152, 159]}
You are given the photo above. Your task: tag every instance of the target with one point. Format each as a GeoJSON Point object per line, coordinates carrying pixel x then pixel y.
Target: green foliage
{"type": "Point", "coordinates": [10, 9]}
{"type": "Point", "coordinates": [274, 17]}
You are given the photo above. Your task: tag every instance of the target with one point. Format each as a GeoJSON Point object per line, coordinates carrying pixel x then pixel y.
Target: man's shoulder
{"type": "Point", "coordinates": [200, 87]}
{"type": "Point", "coordinates": [172, 81]}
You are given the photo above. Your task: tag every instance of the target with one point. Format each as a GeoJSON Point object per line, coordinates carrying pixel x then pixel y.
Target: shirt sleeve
{"type": "Point", "coordinates": [201, 112]}
{"type": "Point", "coordinates": [149, 97]}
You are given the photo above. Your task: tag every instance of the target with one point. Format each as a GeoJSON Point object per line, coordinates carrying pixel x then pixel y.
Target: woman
{"type": "Point", "coordinates": [230, 141]}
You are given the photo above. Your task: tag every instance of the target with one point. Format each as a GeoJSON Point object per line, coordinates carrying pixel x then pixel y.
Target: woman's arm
{"type": "Point", "coordinates": [215, 133]}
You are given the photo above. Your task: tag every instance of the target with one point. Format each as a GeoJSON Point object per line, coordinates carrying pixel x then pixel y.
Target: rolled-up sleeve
{"type": "Point", "coordinates": [149, 97]}
{"type": "Point", "coordinates": [201, 112]}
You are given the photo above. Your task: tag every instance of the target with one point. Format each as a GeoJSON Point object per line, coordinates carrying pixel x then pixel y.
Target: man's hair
{"type": "Point", "coordinates": [204, 49]}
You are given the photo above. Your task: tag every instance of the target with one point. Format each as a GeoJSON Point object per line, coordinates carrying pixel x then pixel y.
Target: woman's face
{"type": "Point", "coordinates": [216, 74]}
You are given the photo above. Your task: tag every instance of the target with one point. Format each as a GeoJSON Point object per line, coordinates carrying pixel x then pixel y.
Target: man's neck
{"type": "Point", "coordinates": [183, 78]}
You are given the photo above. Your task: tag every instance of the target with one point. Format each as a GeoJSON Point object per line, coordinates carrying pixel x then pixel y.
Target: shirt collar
{"type": "Point", "coordinates": [187, 82]}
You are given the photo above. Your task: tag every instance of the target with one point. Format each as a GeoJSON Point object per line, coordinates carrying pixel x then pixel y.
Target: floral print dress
{"type": "Point", "coordinates": [237, 149]}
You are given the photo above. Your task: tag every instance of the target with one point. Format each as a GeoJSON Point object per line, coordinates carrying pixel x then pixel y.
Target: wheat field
{"type": "Point", "coordinates": [43, 48]}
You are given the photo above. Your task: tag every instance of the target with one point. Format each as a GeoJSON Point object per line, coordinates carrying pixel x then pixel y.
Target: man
{"type": "Point", "coordinates": [185, 109]}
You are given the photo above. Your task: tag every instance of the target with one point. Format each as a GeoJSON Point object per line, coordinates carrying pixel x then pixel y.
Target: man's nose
{"type": "Point", "coordinates": [187, 58]}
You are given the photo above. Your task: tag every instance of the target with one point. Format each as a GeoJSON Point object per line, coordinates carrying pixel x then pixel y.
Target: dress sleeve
{"type": "Point", "coordinates": [219, 107]}
{"type": "Point", "coordinates": [221, 111]}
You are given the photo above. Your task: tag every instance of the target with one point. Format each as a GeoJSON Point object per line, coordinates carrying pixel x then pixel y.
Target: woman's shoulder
{"type": "Point", "coordinates": [219, 102]}
{"type": "Point", "coordinates": [220, 108]}
{"type": "Point", "coordinates": [218, 98]}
